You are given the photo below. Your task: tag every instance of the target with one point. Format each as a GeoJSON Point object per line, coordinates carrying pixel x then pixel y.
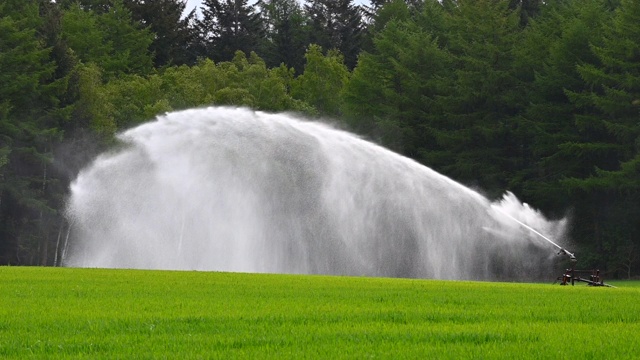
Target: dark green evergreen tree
{"type": "Point", "coordinates": [392, 90]}
{"type": "Point", "coordinates": [174, 35]}
{"type": "Point", "coordinates": [286, 33]}
{"type": "Point", "coordinates": [562, 38]}
{"type": "Point", "coordinates": [28, 201]}
{"type": "Point", "coordinates": [112, 40]}
{"type": "Point", "coordinates": [337, 24]}
{"type": "Point", "coordinates": [476, 123]}
{"type": "Point", "coordinates": [96, 6]}
{"type": "Point", "coordinates": [228, 26]}
{"type": "Point", "coordinates": [528, 9]}
{"type": "Point", "coordinates": [609, 126]}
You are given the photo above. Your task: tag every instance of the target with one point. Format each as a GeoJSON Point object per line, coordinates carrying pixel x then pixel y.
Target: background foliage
{"type": "Point", "coordinates": [539, 98]}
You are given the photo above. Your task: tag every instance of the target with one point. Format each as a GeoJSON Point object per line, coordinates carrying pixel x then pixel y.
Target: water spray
{"type": "Point", "coordinates": [560, 248]}
{"type": "Point", "coordinates": [228, 189]}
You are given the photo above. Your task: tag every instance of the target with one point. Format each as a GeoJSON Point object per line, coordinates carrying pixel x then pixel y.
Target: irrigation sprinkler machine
{"type": "Point", "coordinates": [571, 275]}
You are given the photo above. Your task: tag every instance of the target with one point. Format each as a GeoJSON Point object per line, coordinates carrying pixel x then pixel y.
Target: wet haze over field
{"type": "Point", "coordinates": [230, 189]}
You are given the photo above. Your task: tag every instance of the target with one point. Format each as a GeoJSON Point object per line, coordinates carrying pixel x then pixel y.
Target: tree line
{"type": "Point", "coordinates": [541, 98]}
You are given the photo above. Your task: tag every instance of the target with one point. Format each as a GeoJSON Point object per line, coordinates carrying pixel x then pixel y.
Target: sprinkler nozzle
{"type": "Point", "coordinates": [572, 257]}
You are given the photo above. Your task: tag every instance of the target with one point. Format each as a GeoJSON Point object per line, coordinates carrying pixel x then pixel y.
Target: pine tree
{"type": "Point", "coordinates": [228, 26]}
{"type": "Point", "coordinates": [610, 129]}
{"type": "Point", "coordinates": [286, 33]}
{"type": "Point", "coordinates": [391, 93]}
{"type": "Point", "coordinates": [562, 37]}
{"type": "Point", "coordinates": [174, 34]}
{"type": "Point", "coordinates": [528, 9]}
{"type": "Point", "coordinates": [337, 24]}
{"type": "Point", "coordinates": [616, 82]}
{"type": "Point", "coordinates": [111, 39]}
{"type": "Point", "coordinates": [27, 137]}
{"type": "Point", "coordinates": [478, 124]}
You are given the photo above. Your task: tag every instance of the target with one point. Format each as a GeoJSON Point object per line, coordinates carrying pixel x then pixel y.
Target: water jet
{"type": "Point", "coordinates": [231, 189]}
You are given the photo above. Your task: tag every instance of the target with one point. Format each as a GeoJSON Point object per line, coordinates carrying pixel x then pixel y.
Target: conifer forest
{"type": "Point", "coordinates": [540, 98]}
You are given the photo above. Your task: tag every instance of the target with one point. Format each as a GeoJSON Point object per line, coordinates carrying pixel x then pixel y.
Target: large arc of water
{"type": "Point", "coordinates": [231, 189]}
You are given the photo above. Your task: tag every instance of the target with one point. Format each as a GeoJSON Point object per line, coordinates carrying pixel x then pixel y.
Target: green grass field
{"type": "Point", "coordinates": [59, 313]}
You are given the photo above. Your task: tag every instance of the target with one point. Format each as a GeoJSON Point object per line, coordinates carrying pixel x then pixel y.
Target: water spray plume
{"type": "Point", "coordinates": [236, 190]}
{"type": "Point", "coordinates": [528, 227]}
{"type": "Point", "coordinates": [562, 250]}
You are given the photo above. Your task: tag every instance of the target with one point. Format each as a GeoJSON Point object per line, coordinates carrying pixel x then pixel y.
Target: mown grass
{"type": "Point", "coordinates": [90, 313]}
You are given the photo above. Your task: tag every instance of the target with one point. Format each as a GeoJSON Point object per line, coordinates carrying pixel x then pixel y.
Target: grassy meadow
{"type": "Point", "coordinates": [58, 313]}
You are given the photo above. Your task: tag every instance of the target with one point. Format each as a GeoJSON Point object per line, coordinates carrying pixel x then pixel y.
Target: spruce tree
{"type": "Point", "coordinates": [174, 34]}
{"type": "Point", "coordinates": [546, 60]}
{"type": "Point", "coordinates": [337, 24]}
{"type": "Point", "coordinates": [391, 93]}
{"type": "Point", "coordinates": [228, 26]}
{"type": "Point", "coordinates": [112, 39]}
{"type": "Point", "coordinates": [478, 124]}
{"type": "Point", "coordinates": [27, 137]}
{"type": "Point", "coordinates": [610, 125]}
{"type": "Point", "coordinates": [285, 32]}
